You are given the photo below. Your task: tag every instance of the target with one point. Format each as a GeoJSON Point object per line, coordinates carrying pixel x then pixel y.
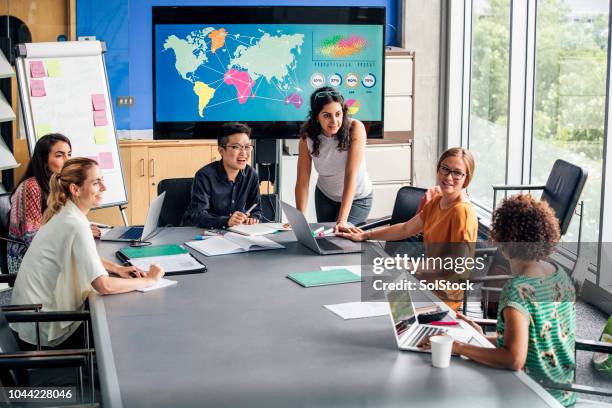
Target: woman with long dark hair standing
{"type": "Point", "coordinates": [335, 143]}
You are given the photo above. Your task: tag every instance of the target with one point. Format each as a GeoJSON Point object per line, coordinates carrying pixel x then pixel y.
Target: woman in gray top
{"type": "Point", "coordinates": [335, 143]}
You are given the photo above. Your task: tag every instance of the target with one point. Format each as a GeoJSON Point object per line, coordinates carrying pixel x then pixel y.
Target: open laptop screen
{"type": "Point", "coordinates": [402, 310]}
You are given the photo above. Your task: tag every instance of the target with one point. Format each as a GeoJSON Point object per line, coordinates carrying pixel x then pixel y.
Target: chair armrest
{"type": "Point", "coordinates": [42, 362]}
{"type": "Point", "coordinates": [48, 353]}
{"type": "Point", "coordinates": [30, 317]}
{"type": "Point", "coordinates": [21, 308]}
{"type": "Point", "coordinates": [592, 345]}
{"type": "Point", "coordinates": [584, 389]}
{"type": "Point", "coordinates": [485, 251]}
{"type": "Point", "coordinates": [518, 187]}
{"type": "Point", "coordinates": [375, 224]}
{"type": "Point", "coordinates": [6, 278]}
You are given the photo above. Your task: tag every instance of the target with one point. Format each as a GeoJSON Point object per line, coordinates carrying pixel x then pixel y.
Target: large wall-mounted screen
{"type": "Point", "coordinates": [210, 69]}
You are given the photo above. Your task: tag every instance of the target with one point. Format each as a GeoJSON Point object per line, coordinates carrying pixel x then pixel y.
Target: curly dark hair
{"type": "Point", "coordinates": [525, 228]}
{"type": "Point", "coordinates": [311, 128]}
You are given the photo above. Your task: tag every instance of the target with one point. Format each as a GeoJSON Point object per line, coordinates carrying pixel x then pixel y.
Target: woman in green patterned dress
{"type": "Point", "coordinates": [536, 318]}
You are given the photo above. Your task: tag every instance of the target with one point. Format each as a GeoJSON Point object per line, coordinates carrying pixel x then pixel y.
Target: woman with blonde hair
{"type": "Point", "coordinates": [448, 218]}
{"type": "Point", "coordinates": [62, 266]}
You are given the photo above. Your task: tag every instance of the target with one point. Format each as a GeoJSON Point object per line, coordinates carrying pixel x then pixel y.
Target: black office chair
{"type": "Point", "coordinates": [17, 366]}
{"type": "Point", "coordinates": [561, 191]}
{"type": "Point", "coordinates": [5, 218]}
{"type": "Point", "coordinates": [178, 196]}
{"type": "Point", "coordinates": [405, 206]}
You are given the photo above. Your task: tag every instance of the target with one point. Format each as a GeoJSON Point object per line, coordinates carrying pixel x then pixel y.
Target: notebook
{"type": "Point", "coordinates": [232, 243]}
{"type": "Point", "coordinates": [321, 278]}
{"type": "Point", "coordinates": [258, 229]}
{"type": "Point", "coordinates": [174, 259]}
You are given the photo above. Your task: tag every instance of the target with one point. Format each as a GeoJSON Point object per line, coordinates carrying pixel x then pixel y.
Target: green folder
{"type": "Point", "coordinates": [153, 250]}
{"type": "Point", "coordinates": [321, 278]}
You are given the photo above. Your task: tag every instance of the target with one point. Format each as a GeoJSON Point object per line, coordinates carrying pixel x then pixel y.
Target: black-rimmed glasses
{"type": "Point", "coordinates": [455, 174]}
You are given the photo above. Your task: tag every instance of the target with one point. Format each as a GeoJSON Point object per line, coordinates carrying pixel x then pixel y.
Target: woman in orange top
{"type": "Point", "coordinates": [447, 218]}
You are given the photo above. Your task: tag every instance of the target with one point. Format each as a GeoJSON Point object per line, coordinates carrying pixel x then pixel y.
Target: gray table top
{"type": "Point", "coordinates": [243, 334]}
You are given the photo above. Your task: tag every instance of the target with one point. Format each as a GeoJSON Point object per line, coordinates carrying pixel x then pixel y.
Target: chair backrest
{"type": "Point", "coordinates": [5, 219]}
{"type": "Point", "coordinates": [178, 196]}
{"type": "Point", "coordinates": [562, 192]}
{"type": "Point", "coordinates": [406, 203]}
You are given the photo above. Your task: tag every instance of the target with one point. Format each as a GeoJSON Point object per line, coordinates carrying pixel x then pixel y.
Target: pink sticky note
{"type": "Point", "coordinates": [37, 87]}
{"type": "Point", "coordinates": [100, 118]}
{"type": "Point", "coordinates": [37, 69]}
{"type": "Point", "coordinates": [98, 102]}
{"type": "Point", "coordinates": [106, 160]}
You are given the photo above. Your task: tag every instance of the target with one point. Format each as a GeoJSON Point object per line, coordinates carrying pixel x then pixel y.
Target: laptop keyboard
{"type": "Point", "coordinates": [423, 332]}
{"type": "Point", "coordinates": [133, 233]}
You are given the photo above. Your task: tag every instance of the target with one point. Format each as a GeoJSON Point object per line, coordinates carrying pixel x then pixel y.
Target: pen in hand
{"type": "Point", "coordinates": [251, 208]}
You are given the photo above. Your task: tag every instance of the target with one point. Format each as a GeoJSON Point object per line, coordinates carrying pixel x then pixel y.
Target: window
{"type": "Point", "coordinates": [570, 98]}
{"type": "Point", "coordinates": [488, 125]}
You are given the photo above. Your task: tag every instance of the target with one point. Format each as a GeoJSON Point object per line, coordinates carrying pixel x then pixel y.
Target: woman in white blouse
{"type": "Point", "coordinates": [62, 265]}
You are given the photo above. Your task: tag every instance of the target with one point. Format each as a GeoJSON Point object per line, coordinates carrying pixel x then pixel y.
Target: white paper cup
{"type": "Point", "coordinates": [441, 348]}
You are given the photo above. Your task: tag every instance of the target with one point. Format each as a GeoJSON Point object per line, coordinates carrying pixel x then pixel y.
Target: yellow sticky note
{"type": "Point", "coordinates": [54, 69]}
{"type": "Point", "coordinates": [100, 135]}
{"type": "Point", "coordinates": [42, 129]}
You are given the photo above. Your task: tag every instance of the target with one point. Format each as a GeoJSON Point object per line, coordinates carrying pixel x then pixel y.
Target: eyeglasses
{"type": "Point", "coordinates": [322, 94]}
{"type": "Point", "coordinates": [455, 174]}
{"type": "Point", "coordinates": [238, 147]}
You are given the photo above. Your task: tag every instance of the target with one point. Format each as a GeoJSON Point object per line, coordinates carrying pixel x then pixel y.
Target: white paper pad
{"type": "Point", "coordinates": [162, 283]}
{"type": "Point", "coordinates": [359, 310]}
{"type": "Point", "coordinates": [356, 269]}
{"type": "Point", "coordinates": [170, 263]}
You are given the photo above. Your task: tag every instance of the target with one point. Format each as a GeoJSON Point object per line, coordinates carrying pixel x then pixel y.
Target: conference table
{"type": "Point", "coordinates": [242, 334]}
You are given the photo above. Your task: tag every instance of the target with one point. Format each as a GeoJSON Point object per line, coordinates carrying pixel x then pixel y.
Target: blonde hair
{"type": "Point", "coordinates": [74, 171]}
{"type": "Point", "coordinates": [468, 160]}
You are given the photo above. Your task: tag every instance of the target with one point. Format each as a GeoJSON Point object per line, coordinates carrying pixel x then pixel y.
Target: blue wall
{"type": "Point", "coordinates": [129, 41]}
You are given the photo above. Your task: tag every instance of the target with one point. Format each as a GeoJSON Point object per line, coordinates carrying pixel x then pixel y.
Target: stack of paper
{"type": "Point", "coordinates": [232, 243]}
{"type": "Point", "coordinates": [358, 310]}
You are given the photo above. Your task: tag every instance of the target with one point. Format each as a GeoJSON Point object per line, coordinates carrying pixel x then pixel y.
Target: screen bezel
{"type": "Point", "coordinates": [260, 15]}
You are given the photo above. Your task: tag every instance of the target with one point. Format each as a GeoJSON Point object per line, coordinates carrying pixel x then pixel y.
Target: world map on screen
{"type": "Point", "coordinates": [263, 72]}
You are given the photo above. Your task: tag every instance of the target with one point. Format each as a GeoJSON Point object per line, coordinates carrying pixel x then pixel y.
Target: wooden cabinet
{"type": "Point", "coordinates": [145, 164]}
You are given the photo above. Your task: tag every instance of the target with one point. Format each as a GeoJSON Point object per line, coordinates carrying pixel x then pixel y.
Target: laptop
{"type": "Point", "coordinates": [130, 234]}
{"type": "Point", "coordinates": [407, 329]}
{"type": "Point", "coordinates": [320, 245]}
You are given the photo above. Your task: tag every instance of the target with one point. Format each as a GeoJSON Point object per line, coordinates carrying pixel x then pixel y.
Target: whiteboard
{"type": "Point", "coordinates": [58, 85]}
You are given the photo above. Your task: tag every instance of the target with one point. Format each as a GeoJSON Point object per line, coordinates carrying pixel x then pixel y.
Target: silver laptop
{"type": "Point", "coordinates": [129, 234]}
{"type": "Point", "coordinates": [320, 245]}
{"type": "Point", "coordinates": [406, 327]}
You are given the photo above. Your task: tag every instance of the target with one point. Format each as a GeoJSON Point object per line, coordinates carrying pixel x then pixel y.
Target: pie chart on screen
{"type": "Point", "coordinates": [353, 106]}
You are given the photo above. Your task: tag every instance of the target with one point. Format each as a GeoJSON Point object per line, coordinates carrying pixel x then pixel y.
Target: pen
{"type": "Point", "coordinates": [326, 232]}
{"type": "Point", "coordinates": [316, 232]}
{"type": "Point", "coordinates": [441, 323]}
{"type": "Point", "coordinates": [251, 208]}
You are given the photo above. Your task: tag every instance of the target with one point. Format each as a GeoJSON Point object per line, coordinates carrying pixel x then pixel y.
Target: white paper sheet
{"type": "Point", "coordinates": [162, 283]}
{"type": "Point", "coordinates": [170, 263]}
{"type": "Point", "coordinates": [359, 310]}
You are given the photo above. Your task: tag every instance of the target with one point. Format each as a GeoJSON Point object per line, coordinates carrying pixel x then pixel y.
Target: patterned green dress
{"type": "Point", "coordinates": [549, 305]}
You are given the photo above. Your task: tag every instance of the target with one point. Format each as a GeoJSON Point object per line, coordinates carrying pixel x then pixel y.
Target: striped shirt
{"type": "Point", "coordinates": [549, 305]}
